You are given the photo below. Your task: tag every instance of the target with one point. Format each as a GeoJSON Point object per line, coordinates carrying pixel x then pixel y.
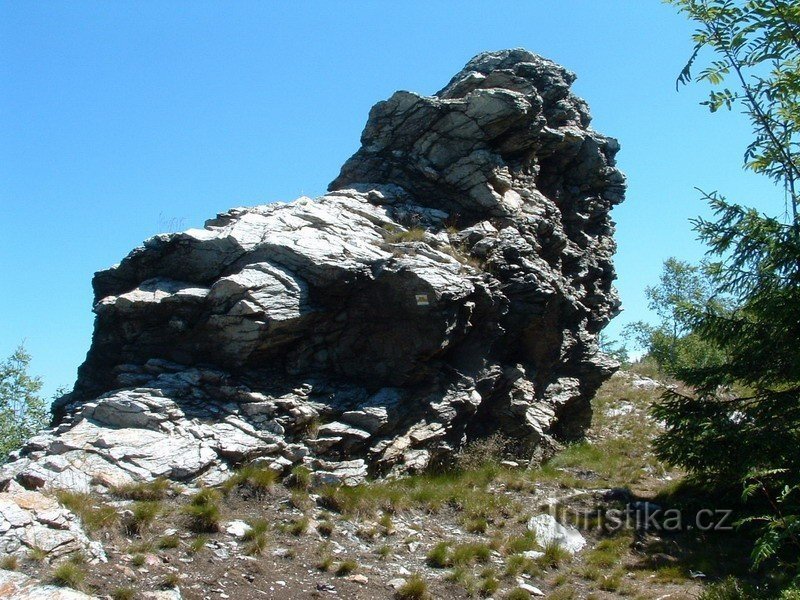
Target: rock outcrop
{"type": "Point", "coordinates": [450, 285]}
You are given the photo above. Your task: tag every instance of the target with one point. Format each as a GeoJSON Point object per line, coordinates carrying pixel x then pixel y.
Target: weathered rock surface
{"type": "Point", "coordinates": [16, 586]}
{"type": "Point", "coordinates": [450, 285]}
{"type": "Point", "coordinates": [33, 521]}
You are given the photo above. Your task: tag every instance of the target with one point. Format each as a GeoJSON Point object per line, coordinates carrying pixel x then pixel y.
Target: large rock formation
{"type": "Point", "coordinates": [450, 285]}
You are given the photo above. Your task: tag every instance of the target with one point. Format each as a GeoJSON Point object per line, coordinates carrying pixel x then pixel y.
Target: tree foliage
{"type": "Point", "coordinates": [672, 343]}
{"type": "Point", "coordinates": [22, 410]}
{"type": "Point", "coordinates": [742, 423]}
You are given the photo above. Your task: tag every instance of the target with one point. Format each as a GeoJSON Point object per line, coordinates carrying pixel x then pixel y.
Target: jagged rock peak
{"type": "Point", "coordinates": [451, 285]}
{"type": "Point", "coordinates": [505, 129]}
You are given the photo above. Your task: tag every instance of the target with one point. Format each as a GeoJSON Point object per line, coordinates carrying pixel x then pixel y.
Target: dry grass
{"type": "Point", "coordinates": [157, 489]}
{"type": "Point", "coordinates": [414, 234]}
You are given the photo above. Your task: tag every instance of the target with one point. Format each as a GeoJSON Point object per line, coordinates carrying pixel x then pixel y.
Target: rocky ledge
{"type": "Point", "coordinates": [450, 285]}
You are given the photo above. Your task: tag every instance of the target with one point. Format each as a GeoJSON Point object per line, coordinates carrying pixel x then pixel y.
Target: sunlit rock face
{"type": "Point", "coordinates": [450, 285]}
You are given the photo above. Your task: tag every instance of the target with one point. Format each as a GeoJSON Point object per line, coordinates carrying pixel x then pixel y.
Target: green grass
{"type": "Point", "coordinates": [415, 588]}
{"type": "Point", "coordinates": [197, 544]}
{"type": "Point", "coordinates": [137, 560]}
{"type": "Point", "coordinates": [325, 563]}
{"type": "Point", "coordinates": [463, 577]}
{"type": "Point", "coordinates": [346, 567]}
{"type": "Point", "coordinates": [168, 542]}
{"type": "Point", "coordinates": [414, 234]}
{"type": "Point", "coordinates": [387, 524]}
{"type": "Point", "coordinates": [170, 581]}
{"type": "Point", "coordinates": [255, 538]}
{"type": "Point", "coordinates": [94, 514]}
{"type": "Point", "coordinates": [437, 557]}
{"type": "Point", "coordinates": [464, 491]}
{"type": "Point", "coordinates": [143, 514]}
{"type": "Point", "coordinates": [37, 554]}
{"type": "Point", "coordinates": [517, 594]}
{"type": "Point", "coordinates": [300, 478]}
{"type": "Point", "coordinates": [123, 593]}
{"type": "Point", "coordinates": [516, 564]}
{"type": "Point", "coordinates": [562, 593]}
{"type": "Point", "coordinates": [69, 574]}
{"type": "Point", "coordinates": [325, 528]}
{"type": "Point", "coordinates": [470, 553]}
{"type": "Point", "coordinates": [489, 585]}
{"type": "Point", "coordinates": [728, 589]}
{"type": "Point", "coordinates": [157, 489]}
{"type": "Point", "coordinates": [203, 511]}
{"type": "Point", "coordinates": [554, 556]}
{"type": "Point", "coordinates": [608, 552]}
{"type": "Point", "coordinates": [520, 543]}
{"type": "Point", "coordinates": [260, 480]}
{"type": "Point", "coordinates": [476, 525]}
{"type": "Point", "coordinates": [299, 526]}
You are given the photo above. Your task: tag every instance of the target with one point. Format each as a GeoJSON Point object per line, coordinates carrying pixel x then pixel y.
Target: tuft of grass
{"type": "Point", "coordinates": [256, 537]}
{"type": "Point", "coordinates": [197, 544]}
{"type": "Point", "coordinates": [476, 525]}
{"type": "Point", "coordinates": [325, 528]}
{"type": "Point", "coordinates": [554, 556]}
{"type": "Point", "coordinates": [300, 478]}
{"type": "Point", "coordinates": [671, 574]}
{"type": "Point", "coordinates": [610, 582]}
{"type": "Point", "coordinates": [158, 489]}
{"type": "Point", "coordinates": [346, 567]}
{"type": "Point", "coordinates": [463, 576]}
{"type": "Point", "coordinates": [203, 511]}
{"type": "Point", "coordinates": [260, 480]}
{"type": "Point", "coordinates": [521, 543]}
{"type": "Point", "coordinates": [37, 554]}
{"type": "Point", "coordinates": [608, 552]}
{"type": "Point", "coordinates": [69, 574]}
{"type": "Point", "coordinates": [489, 585]}
{"type": "Point", "coordinates": [325, 563]}
{"type": "Point", "coordinates": [415, 588]}
{"type": "Point", "coordinates": [437, 557]}
{"type": "Point", "coordinates": [563, 593]}
{"type": "Point", "coordinates": [137, 560]}
{"type": "Point", "coordinates": [467, 554]}
{"type": "Point", "coordinates": [9, 563]}
{"type": "Point", "coordinates": [414, 234]}
{"type": "Point", "coordinates": [168, 542]}
{"type": "Point", "coordinates": [482, 453]}
{"type": "Point", "coordinates": [144, 513]}
{"type": "Point", "coordinates": [299, 526]}
{"type": "Point", "coordinates": [94, 514]}
{"type": "Point", "coordinates": [518, 594]}
{"type": "Point", "coordinates": [518, 564]}
{"type": "Point", "coordinates": [387, 524]}
{"type": "Point", "coordinates": [727, 589]}
{"type": "Point", "coordinates": [301, 500]}
{"type": "Point", "coordinates": [170, 581]}
{"type": "Point", "coordinates": [385, 551]}
{"type": "Point", "coordinates": [123, 593]}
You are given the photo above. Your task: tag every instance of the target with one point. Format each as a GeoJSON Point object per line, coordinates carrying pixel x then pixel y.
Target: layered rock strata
{"type": "Point", "coordinates": [450, 285]}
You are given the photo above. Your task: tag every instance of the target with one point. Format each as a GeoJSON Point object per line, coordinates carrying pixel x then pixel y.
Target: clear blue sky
{"type": "Point", "coordinates": [119, 120]}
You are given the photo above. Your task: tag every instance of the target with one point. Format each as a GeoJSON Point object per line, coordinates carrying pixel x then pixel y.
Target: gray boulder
{"type": "Point", "coordinates": [451, 284]}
